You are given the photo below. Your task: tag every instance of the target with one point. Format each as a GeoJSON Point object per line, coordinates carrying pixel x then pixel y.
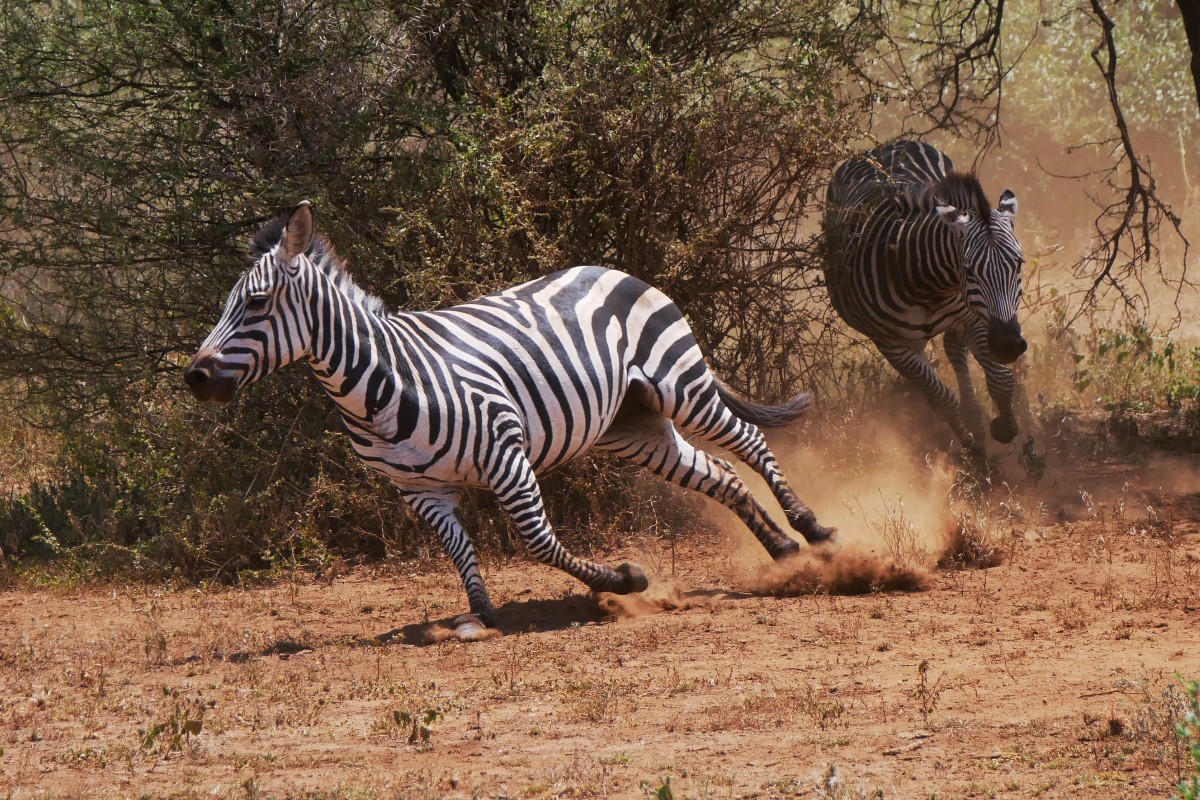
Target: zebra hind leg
{"type": "Point", "coordinates": [651, 441]}
{"type": "Point", "coordinates": [440, 509]}
{"type": "Point", "coordinates": [521, 497]}
{"type": "Point", "coordinates": [729, 421]}
{"type": "Point", "coordinates": [751, 447]}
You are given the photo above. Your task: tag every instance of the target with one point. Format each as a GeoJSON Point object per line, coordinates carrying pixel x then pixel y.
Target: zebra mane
{"type": "Point", "coordinates": [959, 189]}
{"type": "Point", "coordinates": [324, 257]}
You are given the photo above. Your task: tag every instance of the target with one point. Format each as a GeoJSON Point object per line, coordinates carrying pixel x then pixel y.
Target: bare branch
{"type": "Point", "coordinates": [1127, 226]}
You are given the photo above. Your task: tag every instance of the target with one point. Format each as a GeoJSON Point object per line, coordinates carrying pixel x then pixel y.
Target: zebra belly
{"type": "Point", "coordinates": [551, 435]}
{"type": "Point", "coordinates": [409, 471]}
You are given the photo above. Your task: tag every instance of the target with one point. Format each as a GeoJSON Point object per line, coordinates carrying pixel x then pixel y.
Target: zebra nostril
{"type": "Point", "coordinates": [195, 377]}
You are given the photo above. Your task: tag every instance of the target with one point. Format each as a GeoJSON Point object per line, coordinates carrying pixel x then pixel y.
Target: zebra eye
{"type": "Point", "coordinates": [257, 302]}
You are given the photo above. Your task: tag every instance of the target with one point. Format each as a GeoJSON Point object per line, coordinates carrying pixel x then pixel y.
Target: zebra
{"type": "Point", "coordinates": [491, 392]}
{"type": "Point", "coordinates": [914, 250]}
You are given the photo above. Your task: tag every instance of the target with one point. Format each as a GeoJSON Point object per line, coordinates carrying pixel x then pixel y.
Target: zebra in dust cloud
{"type": "Point", "coordinates": [915, 250]}
{"type": "Point", "coordinates": [489, 393]}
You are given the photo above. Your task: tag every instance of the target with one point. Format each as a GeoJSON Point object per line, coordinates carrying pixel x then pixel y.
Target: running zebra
{"type": "Point", "coordinates": [489, 393]}
{"type": "Point", "coordinates": [915, 250]}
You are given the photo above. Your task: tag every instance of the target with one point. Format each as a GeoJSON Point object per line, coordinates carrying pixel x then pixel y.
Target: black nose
{"type": "Point", "coordinates": [209, 380]}
{"type": "Point", "coordinates": [195, 377]}
{"type": "Point", "coordinates": [1006, 342]}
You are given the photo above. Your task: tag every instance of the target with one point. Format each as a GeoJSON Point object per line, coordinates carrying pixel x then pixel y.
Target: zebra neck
{"type": "Point", "coordinates": [355, 356]}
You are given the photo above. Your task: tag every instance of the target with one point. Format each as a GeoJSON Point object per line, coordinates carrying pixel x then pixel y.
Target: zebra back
{"type": "Point", "coordinates": [898, 180]}
{"type": "Point", "coordinates": [898, 175]}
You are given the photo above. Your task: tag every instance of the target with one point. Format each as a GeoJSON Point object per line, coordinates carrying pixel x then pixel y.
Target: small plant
{"type": "Point", "coordinates": [1165, 726]}
{"type": "Point", "coordinates": [1187, 731]}
{"type": "Point", "coordinates": [825, 712]}
{"type": "Point", "coordinates": [186, 720]}
{"type": "Point", "coordinates": [1136, 370]}
{"type": "Point", "coordinates": [984, 529]}
{"type": "Point", "coordinates": [832, 786]}
{"type": "Point", "coordinates": [419, 726]}
{"type": "Point", "coordinates": [901, 537]}
{"type": "Point", "coordinates": [926, 694]}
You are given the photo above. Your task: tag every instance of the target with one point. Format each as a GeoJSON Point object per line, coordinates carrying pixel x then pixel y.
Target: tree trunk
{"type": "Point", "coordinates": [1190, 9]}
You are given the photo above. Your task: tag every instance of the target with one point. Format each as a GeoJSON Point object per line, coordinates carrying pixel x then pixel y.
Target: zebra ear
{"type": "Point", "coordinates": [297, 235]}
{"type": "Point", "coordinates": [1008, 203]}
{"type": "Point", "coordinates": [951, 216]}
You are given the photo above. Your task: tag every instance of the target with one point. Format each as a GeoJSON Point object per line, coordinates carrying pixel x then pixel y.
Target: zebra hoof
{"type": "Point", "coordinates": [1004, 429]}
{"type": "Point", "coordinates": [470, 628]}
{"type": "Point", "coordinates": [975, 451]}
{"type": "Point", "coordinates": [819, 534]}
{"type": "Point", "coordinates": [806, 525]}
{"type": "Point", "coordinates": [633, 579]}
{"type": "Point", "coordinates": [786, 548]}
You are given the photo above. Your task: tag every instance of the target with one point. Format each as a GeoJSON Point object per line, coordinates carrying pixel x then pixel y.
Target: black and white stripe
{"type": "Point", "coordinates": [914, 251]}
{"type": "Point", "coordinates": [489, 393]}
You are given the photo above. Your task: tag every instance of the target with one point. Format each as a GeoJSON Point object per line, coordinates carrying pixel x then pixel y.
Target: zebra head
{"type": "Point", "coordinates": [264, 325]}
{"type": "Point", "coordinates": [991, 260]}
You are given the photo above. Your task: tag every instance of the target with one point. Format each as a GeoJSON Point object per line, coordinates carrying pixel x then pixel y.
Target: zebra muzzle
{"type": "Point", "coordinates": [209, 381]}
{"type": "Point", "coordinates": [1005, 341]}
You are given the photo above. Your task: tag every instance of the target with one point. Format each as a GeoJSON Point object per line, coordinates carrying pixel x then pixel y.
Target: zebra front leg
{"type": "Point", "coordinates": [652, 442]}
{"type": "Point", "coordinates": [955, 345]}
{"type": "Point", "coordinates": [916, 369]}
{"type": "Point", "coordinates": [1001, 385]}
{"type": "Point", "coordinates": [440, 510]}
{"type": "Point", "coordinates": [520, 496]}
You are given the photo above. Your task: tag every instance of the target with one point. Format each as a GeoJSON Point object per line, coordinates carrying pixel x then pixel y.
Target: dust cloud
{"type": "Point", "coordinates": [662, 595]}
{"type": "Point", "coordinates": [843, 571]}
{"type": "Point", "coordinates": [888, 496]}
{"type": "Point", "coordinates": [1124, 491]}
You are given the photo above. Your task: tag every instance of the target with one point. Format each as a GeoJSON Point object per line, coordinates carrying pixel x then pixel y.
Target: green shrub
{"type": "Point", "coordinates": [1187, 730]}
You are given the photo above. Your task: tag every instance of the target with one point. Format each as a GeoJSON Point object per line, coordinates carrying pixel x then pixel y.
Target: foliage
{"type": "Point", "coordinates": [1098, 90]}
{"type": "Point", "coordinates": [682, 148]}
{"type": "Point", "coordinates": [419, 727]}
{"type": "Point", "coordinates": [1155, 52]}
{"type": "Point", "coordinates": [185, 719]}
{"type": "Point", "coordinates": [1187, 730]}
{"type": "Point", "coordinates": [449, 148]}
{"type": "Point", "coordinates": [1116, 368]}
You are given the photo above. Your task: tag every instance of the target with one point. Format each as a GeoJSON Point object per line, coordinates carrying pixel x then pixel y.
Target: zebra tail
{"type": "Point", "coordinates": [762, 415]}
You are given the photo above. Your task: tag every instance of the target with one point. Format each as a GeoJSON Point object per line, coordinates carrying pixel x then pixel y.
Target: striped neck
{"type": "Point", "coordinates": [352, 349]}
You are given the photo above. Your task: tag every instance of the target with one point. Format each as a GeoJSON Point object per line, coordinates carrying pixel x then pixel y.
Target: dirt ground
{"type": "Point", "coordinates": [1049, 675]}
